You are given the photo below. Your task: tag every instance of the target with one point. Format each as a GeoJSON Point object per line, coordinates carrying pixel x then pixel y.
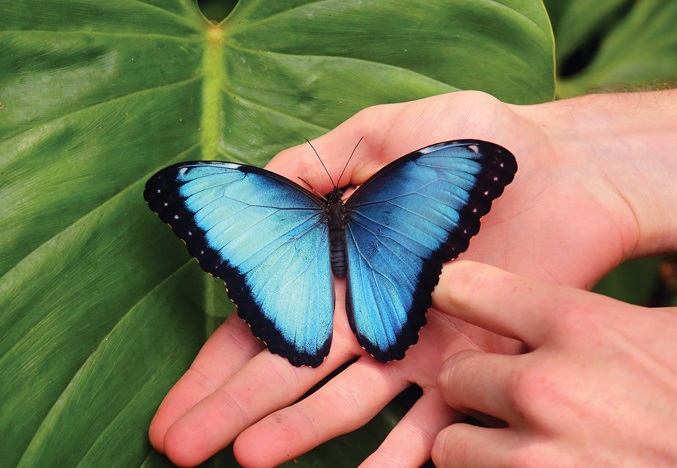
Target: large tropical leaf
{"type": "Point", "coordinates": [617, 44]}
{"type": "Point", "coordinates": [580, 23]}
{"type": "Point", "coordinates": [101, 310]}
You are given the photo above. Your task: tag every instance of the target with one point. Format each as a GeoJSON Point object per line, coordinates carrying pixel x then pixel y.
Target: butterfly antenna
{"type": "Point", "coordinates": [321, 162]}
{"type": "Point", "coordinates": [312, 188]}
{"type": "Point", "coordinates": [351, 157]}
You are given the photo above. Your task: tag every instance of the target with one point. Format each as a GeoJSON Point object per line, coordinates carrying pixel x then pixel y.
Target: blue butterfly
{"type": "Point", "coordinates": [276, 244]}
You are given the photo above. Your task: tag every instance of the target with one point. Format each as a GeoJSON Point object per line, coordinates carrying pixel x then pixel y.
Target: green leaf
{"type": "Point", "coordinates": [576, 23]}
{"type": "Point", "coordinates": [637, 52]}
{"type": "Point", "coordinates": [634, 281]}
{"type": "Point", "coordinates": [101, 309]}
{"type": "Point", "coordinates": [216, 10]}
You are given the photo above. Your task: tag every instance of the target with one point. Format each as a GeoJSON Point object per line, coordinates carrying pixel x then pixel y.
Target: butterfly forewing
{"type": "Point", "coordinates": [266, 237]}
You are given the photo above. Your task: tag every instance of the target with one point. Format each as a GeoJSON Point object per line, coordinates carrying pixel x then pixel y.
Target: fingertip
{"type": "Point", "coordinates": [461, 281]}
{"type": "Point", "coordinates": [166, 415]}
{"type": "Point", "coordinates": [185, 394]}
{"type": "Point", "coordinates": [181, 448]}
{"type": "Point", "coordinates": [251, 452]}
{"type": "Point", "coordinates": [461, 444]}
{"type": "Point", "coordinates": [156, 435]}
{"type": "Point", "coordinates": [441, 451]}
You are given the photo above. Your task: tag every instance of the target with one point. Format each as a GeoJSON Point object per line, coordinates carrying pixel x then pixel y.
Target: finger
{"type": "Point", "coordinates": [266, 383]}
{"type": "Point", "coordinates": [344, 404]}
{"type": "Point", "coordinates": [333, 152]}
{"type": "Point", "coordinates": [498, 301]}
{"type": "Point", "coordinates": [476, 382]}
{"type": "Point", "coordinates": [224, 353]}
{"type": "Point", "coordinates": [411, 440]}
{"type": "Point", "coordinates": [466, 445]}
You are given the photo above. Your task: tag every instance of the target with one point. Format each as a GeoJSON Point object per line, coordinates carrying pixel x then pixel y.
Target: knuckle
{"type": "Point", "coordinates": [344, 398]}
{"type": "Point", "coordinates": [528, 456]}
{"type": "Point", "coordinates": [533, 391]}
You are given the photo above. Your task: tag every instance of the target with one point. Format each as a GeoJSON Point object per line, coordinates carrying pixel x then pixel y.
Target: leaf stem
{"type": "Point", "coordinates": [214, 75]}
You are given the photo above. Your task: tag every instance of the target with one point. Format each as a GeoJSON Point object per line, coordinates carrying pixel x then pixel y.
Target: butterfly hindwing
{"type": "Point", "coordinates": [266, 238]}
{"type": "Point", "coordinates": [403, 224]}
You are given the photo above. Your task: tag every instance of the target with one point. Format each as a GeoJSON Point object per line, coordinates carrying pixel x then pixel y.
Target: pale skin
{"type": "Point", "coordinates": [598, 386]}
{"type": "Point", "coordinates": [595, 186]}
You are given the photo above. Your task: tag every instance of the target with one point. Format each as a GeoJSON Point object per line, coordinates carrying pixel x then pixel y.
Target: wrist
{"type": "Point", "coordinates": [622, 149]}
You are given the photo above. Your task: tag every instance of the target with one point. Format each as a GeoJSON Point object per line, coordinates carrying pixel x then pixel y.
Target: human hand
{"type": "Point", "coordinates": [559, 221]}
{"type": "Point", "coordinates": [596, 387]}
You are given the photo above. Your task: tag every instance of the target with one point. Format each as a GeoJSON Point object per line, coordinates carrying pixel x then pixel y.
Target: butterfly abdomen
{"type": "Point", "coordinates": [336, 219]}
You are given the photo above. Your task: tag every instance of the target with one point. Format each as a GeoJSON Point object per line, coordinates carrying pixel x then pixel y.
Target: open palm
{"type": "Point", "coordinates": [556, 222]}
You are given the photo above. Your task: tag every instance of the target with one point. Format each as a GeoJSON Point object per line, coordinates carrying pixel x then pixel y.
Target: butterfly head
{"type": "Point", "coordinates": [335, 196]}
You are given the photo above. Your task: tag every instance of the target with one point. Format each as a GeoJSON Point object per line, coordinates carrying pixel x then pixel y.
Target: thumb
{"type": "Point", "coordinates": [331, 151]}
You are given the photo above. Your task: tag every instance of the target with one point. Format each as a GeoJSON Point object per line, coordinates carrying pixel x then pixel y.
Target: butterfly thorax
{"type": "Point", "coordinates": [336, 220]}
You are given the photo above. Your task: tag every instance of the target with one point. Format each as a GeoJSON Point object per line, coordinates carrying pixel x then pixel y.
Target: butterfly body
{"type": "Point", "coordinates": [276, 244]}
{"type": "Point", "coordinates": [336, 220]}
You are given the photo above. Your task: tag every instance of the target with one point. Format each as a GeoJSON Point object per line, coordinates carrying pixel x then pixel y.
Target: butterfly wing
{"type": "Point", "coordinates": [266, 238]}
{"type": "Point", "coordinates": [403, 224]}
